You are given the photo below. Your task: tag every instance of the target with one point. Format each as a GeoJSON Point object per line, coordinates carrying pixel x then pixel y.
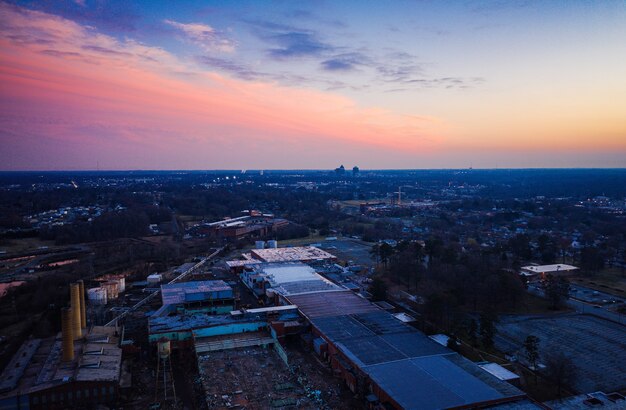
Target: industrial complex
{"type": "Point", "coordinates": [300, 326]}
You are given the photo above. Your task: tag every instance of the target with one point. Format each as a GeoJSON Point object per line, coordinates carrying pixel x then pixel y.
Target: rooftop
{"type": "Point", "coordinates": [294, 254]}
{"type": "Point", "coordinates": [499, 371]}
{"type": "Point", "coordinates": [341, 302]}
{"type": "Point", "coordinates": [561, 267]}
{"type": "Point", "coordinates": [439, 381]}
{"type": "Point", "coordinates": [96, 358]}
{"type": "Point", "coordinates": [183, 292]}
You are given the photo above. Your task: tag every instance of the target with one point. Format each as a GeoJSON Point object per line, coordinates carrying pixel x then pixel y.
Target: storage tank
{"type": "Point", "coordinates": [97, 296]}
{"type": "Point", "coordinates": [112, 289]}
{"type": "Point", "coordinates": [121, 284]}
{"type": "Point", "coordinates": [67, 335]}
{"type": "Point", "coordinates": [77, 330]}
{"type": "Point", "coordinates": [260, 244]}
{"type": "Point", "coordinates": [272, 244]}
{"type": "Point", "coordinates": [83, 307]}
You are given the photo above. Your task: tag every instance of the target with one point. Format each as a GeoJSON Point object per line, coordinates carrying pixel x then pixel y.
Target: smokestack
{"type": "Point", "coordinates": [75, 303]}
{"type": "Point", "coordinates": [67, 334]}
{"type": "Point", "coordinates": [83, 314]}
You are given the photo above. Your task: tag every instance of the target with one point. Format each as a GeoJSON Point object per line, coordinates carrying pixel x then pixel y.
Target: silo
{"type": "Point", "coordinates": [83, 310]}
{"type": "Point", "coordinates": [67, 316]}
{"type": "Point", "coordinates": [75, 304]}
{"type": "Point", "coordinates": [260, 244]}
{"type": "Point", "coordinates": [272, 244]}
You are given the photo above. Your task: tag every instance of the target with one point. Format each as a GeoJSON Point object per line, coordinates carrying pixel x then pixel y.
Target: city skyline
{"type": "Point", "coordinates": [280, 85]}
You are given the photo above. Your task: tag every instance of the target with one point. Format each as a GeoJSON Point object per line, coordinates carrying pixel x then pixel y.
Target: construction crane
{"type": "Point", "coordinates": [400, 193]}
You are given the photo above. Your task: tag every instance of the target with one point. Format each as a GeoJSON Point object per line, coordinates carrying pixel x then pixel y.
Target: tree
{"type": "Point", "coordinates": [384, 252]}
{"type": "Point", "coordinates": [591, 260]}
{"type": "Point", "coordinates": [560, 370]}
{"type": "Point", "coordinates": [531, 346]}
{"type": "Point", "coordinates": [453, 342]}
{"type": "Point", "coordinates": [487, 328]}
{"type": "Point", "coordinates": [556, 289]}
{"type": "Point", "coordinates": [378, 289]}
{"type": "Point", "coordinates": [472, 332]}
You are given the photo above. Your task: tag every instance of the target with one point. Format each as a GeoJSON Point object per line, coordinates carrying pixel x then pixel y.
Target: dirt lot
{"type": "Point", "coordinates": [251, 378]}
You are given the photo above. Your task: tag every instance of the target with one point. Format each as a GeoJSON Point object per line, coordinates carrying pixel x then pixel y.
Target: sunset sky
{"type": "Point", "coordinates": [311, 85]}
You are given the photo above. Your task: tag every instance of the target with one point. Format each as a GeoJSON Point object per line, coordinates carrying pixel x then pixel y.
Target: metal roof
{"type": "Point", "coordinates": [182, 292]}
{"type": "Point", "coordinates": [342, 302]}
{"type": "Point", "coordinates": [433, 382]}
{"type": "Point", "coordinates": [297, 253]}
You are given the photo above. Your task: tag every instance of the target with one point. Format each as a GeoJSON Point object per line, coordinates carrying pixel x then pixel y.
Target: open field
{"type": "Point", "coordinates": [23, 244]}
{"type": "Point", "coordinates": [596, 346]}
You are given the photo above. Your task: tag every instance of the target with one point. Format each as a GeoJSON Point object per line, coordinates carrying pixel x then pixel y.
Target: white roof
{"type": "Point", "coordinates": [498, 371]}
{"type": "Point", "coordinates": [297, 253]}
{"type": "Point", "coordinates": [440, 338]}
{"type": "Point", "coordinates": [561, 267]}
{"type": "Point", "coordinates": [295, 278]}
{"type": "Point", "coordinates": [403, 317]}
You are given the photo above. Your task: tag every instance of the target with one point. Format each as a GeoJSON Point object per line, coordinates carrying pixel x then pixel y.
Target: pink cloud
{"type": "Point", "coordinates": [77, 91]}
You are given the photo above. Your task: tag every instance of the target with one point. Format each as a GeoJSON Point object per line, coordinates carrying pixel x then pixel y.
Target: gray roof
{"type": "Point", "coordinates": [433, 382]}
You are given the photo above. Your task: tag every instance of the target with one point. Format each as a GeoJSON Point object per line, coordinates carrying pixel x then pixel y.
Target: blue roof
{"type": "Point", "coordinates": [431, 382]}
{"type": "Point", "coordinates": [182, 292]}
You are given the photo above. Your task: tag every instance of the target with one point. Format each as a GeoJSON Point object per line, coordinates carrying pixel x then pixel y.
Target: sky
{"type": "Point", "coordinates": [99, 84]}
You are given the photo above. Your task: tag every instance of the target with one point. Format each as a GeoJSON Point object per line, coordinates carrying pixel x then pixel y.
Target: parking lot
{"type": "Point", "coordinates": [596, 346]}
{"type": "Point", "coordinates": [350, 250]}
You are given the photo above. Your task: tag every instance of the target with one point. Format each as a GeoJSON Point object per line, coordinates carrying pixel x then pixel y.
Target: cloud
{"type": "Point", "coordinates": [204, 36]}
{"type": "Point", "coordinates": [289, 41]}
{"type": "Point", "coordinates": [114, 16]}
{"type": "Point", "coordinates": [346, 62]}
{"type": "Point", "coordinates": [236, 69]}
{"type": "Point", "coordinates": [137, 106]}
{"type": "Point", "coordinates": [297, 44]}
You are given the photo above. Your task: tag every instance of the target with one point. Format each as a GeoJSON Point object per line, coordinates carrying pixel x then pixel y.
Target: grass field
{"type": "Point", "coordinates": [24, 244]}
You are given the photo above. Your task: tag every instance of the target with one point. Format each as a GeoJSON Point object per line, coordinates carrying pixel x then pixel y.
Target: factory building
{"type": "Point", "coordinates": [392, 363]}
{"type": "Point", "coordinates": [209, 296]}
{"type": "Point", "coordinates": [268, 279]}
{"type": "Point", "coordinates": [304, 254]}
{"type": "Point", "coordinates": [77, 368]}
{"type": "Point", "coordinates": [253, 225]}
{"type": "Point", "coordinates": [541, 271]}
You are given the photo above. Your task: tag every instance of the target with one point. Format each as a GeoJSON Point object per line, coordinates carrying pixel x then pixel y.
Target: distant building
{"type": "Point", "coordinates": [341, 170]}
{"type": "Point", "coordinates": [542, 270]}
{"type": "Point", "coordinates": [355, 171]}
{"type": "Point", "coordinates": [254, 225]}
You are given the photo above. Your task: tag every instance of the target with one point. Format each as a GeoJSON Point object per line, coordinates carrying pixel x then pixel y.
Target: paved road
{"type": "Point", "coordinates": [583, 307]}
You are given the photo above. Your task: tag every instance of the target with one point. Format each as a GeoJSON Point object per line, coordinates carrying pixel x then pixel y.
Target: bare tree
{"type": "Point", "coordinates": [560, 370]}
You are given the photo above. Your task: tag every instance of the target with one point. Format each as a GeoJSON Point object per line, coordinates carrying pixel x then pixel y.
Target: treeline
{"type": "Point", "coordinates": [451, 282]}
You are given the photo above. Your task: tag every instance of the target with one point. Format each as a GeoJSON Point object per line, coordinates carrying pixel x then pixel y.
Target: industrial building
{"type": "Point", "coordinates": [253, 225]}
{"type": "Point", "coordinates": [267, 279]}
{"type": "Point", "coordinates": [392, 363]}
{"type": "Point", "coordinates": [236, 329]}
{"type": "Point", "coordinates": [209, 296]}
{"type": "Point", "coordinates": [542, 270]}
{"type": "Point", "coordinates": [78, 368]}
{"type": "Point", "coordinates": [304, 254]}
